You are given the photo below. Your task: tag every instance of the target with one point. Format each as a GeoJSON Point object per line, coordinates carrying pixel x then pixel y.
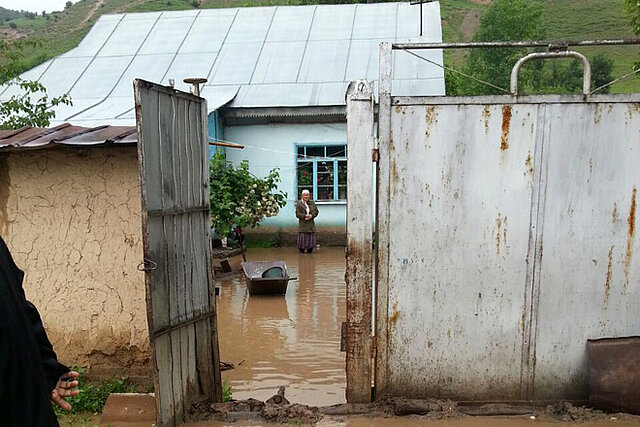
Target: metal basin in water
{"type": "Point", "coordinates": [266, 277]}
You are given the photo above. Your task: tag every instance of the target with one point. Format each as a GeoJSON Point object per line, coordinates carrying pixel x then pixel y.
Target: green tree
{"type": "Point", "coordinates": [560, 78]}
{"type": "Point", "coordinates": [505, 20]}
{"type": "Point", "coordinates": [25, 110]}
{"type": "Point", "coordinates": [32, 106]}
{"type": "Point", "coordinates": [238, 197]}
{"type": "Point", "coordinates": [601, 72]}
{"type": "Point", "coordinates": [633, 7]}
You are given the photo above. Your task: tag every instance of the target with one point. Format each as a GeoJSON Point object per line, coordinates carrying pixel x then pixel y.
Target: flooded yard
{"type": "Point", "coordinates": [293, 340]}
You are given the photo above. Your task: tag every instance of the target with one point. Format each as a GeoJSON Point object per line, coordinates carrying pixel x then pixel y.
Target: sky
{"type": "Point", "coordinates": [34, 5]}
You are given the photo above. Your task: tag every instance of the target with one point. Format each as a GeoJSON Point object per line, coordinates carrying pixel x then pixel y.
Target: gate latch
{"type": "Point", "coordinates": [147, 265]}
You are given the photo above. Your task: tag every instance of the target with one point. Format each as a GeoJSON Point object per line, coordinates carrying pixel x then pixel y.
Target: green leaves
{"type": "Point", "coordinates": [520, 20]}
{"type": "Point", "coordinates": [238, 197]}
{"type": "Point", "coordinates": [633, 7]}
{"type": "Point", "coordinates": [504, 20]}
{"type": "Point", "coordinates": [22, 110]}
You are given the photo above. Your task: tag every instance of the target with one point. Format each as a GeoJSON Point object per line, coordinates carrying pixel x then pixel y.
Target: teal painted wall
{"type": "Point", "coordinates": [269, 146]}
{"type": "Point", "coordinates": [216, 131]}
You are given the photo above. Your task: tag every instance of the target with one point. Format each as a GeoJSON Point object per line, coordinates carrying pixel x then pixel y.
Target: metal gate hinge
{"type": "Point", "coordinates": [375, 155]}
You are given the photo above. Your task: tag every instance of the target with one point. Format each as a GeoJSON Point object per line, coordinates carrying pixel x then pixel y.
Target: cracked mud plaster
{"type": "Point", "coordinates": [74, 228]}
{"type": "Point", "coordinates": [5, 183]}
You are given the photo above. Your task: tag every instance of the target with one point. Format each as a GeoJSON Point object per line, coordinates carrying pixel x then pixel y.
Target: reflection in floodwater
{"type": "Point", "coordinates": [293, 340]}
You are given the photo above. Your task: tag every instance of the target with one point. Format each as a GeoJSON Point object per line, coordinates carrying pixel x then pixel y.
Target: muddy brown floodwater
{"type": "Point", "coordinates": [293, 340]}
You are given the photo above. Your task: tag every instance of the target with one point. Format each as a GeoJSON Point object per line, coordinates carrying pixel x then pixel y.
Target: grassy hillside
{"type": "Point", "coordinates": [564, 19]}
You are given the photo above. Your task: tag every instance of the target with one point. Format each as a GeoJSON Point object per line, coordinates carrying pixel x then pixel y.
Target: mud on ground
{"type": "Point", "coordinates": [252, 410]}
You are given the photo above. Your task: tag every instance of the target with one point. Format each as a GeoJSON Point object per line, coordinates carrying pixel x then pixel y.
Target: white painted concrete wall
{"type": "Point", "coordinates": [269, 146]}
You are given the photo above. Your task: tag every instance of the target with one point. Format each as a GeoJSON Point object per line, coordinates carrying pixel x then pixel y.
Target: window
{"type": "Point", "coordinates": [322, 169]}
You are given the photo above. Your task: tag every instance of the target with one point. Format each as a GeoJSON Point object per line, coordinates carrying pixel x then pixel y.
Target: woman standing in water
{"type": "Point", "coordinates": [306, 211]}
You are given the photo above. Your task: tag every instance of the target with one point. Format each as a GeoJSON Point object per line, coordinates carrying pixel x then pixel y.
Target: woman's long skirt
{"type": "Point", "coordinates": [306, 241]}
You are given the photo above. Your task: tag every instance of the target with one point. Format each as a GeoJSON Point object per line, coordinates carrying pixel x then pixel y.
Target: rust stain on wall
{"type": "Point", "coordinates": [506, 123]}
{"type": "Point", "coordinates": [541, 250]}
{"type": "Point", "coordinates": [5, 183]}
{"type": "Point", "coordinates": [528, 163]}
{"type": "Point", "coordinates": [614, 214]}
{"type": "Point", "coordinates": [487, 115]}
{"type": "Point", "coordinates": [499, 227]}
{"type": "Point", "coordinates": [607, 283]}
{"type": "Point", "coordinates": [394, 171]}
{"type": "Point", "coordinates": [631, 110]}
{"type": "Point", "coordinates": [504, 232]}
{"type": "Point", "coordinates": [394, 314]}
{"type": "Point", "coordinates": [427, 189]}
{"type": "Point", "coordinates": [431, 117]}
{"type": "Point", "coordinates": [597, 115]}
{"type": "Point", "coordinates": [631, 221]}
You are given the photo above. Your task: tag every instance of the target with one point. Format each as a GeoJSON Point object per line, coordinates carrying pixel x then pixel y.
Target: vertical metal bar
{"type": "Point", "coordinates": [335, 179]}
{"type": "Point", "coordinates": [359, 271]}
{"type": "Point", "coordinates": [315, 179]}
{"type": "Point", "coordinates": [295, 178]}
{"type": "Point", "coordinates": [385, 145]}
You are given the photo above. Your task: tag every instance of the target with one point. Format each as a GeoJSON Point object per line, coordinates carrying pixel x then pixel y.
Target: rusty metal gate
{"type": "Point", "coordinates": [505, 240]}
{"type": "Point", "coordinates": [174, 176]}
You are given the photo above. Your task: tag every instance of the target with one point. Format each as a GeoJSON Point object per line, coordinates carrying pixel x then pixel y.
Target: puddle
{"type": "Point", "coordinates": [292, 341]}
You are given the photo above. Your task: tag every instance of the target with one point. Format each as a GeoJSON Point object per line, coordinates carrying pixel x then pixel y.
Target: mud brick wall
{"type": "Point", "coordinates": [72, 220]}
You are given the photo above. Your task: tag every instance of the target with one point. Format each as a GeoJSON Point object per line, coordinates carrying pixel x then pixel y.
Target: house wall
{"type": "Point", "coordinates": [274, 145]}
{"type": "Point", "coordinates": [71, 218]}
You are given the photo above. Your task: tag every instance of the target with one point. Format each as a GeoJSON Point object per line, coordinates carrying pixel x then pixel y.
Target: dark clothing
{"type": "Point", "coordinates": [306, 241]}
{"type": "Point", "coordinates": [306, 226]}
{"type": "Point", "coordinates": [29, 368]}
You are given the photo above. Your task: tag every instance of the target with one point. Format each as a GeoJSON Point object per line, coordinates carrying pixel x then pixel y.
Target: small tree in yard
{"type": "Point", "coordinates": [32, 107]}
{"type": "Point", "coordinates": [504, 20]}
{"type": "Point", "coordinates": [21, 110]}
{"type": "Point", "coordinates": [633, 7]}
{"type": "Point", "coordinates": [238, 197]}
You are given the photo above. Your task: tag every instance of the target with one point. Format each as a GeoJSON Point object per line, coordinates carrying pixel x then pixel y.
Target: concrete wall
{"type": "Point", "coordinates": [72, 220]}
{"type": "Point", "coordinates": [269, 146]}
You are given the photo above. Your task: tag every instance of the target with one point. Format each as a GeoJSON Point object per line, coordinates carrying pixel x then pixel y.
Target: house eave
{"type": "Point", "coordinates": [270, 115]}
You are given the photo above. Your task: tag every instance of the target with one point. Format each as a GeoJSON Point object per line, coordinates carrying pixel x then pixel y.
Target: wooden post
{"type": "Point", "coordinates": [359, 277]}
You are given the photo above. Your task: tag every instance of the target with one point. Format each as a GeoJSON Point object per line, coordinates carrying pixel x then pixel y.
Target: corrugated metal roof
{"type": "Point", "coordinates": [66, 134]}
{"type": "Point", "coordinates": [284, 56]}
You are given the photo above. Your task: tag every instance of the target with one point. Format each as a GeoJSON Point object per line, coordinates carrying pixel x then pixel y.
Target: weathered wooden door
{"type": "Point", "coordinates": [174, 177]}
